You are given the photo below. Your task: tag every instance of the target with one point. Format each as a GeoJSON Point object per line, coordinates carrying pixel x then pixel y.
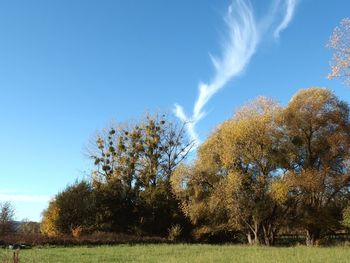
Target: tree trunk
{"type": "Point", "coordinates": [269, 234]}
{"type": "Point", "coordinates": [252, 241]}
{"type": "Point", "coordinates": [253, 230]}
{"type": "Point", "coordinates": [249, 237]}
{"type": "Point", "coordinates": [312, 235]}
{"type": "Point", "coordinates": [256, 238]}
{"type": "Point", "coordinates": [256, 234]}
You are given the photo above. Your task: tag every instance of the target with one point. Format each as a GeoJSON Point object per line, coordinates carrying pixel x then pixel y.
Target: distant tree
{"type": "Point", "coordinates": [340, 43]}
{"type": "Point", "coordinates": [316, 142]}
{"type": "Point", "coordinates": [7, 213]}
{"type": "Point", "coordinates": [29, 227]}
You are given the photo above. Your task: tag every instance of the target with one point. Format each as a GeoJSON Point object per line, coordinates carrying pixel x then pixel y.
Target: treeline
{"type": "Point", "coordinates": [267, 170]}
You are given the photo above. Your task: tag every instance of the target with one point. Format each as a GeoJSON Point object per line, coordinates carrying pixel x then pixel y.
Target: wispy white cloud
{"type": "Point", "coordinates": [190, 124]}
{"type": "Point", "coordinates": [289, 7]}
{"type": "Point", "coordinates": [23, 198]}
{"type": "Point", "coordinates": [243, 36]}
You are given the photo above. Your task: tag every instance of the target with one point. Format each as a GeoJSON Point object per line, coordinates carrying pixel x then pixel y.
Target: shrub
{"type": "Point", "coordinates": [77, 231]}
{"type": "Point", "coordinates": [174, 233]}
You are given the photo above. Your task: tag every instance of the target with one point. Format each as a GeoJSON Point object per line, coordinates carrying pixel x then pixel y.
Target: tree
{"type": "Point", "coordinates": [229, 185]}
{"type": "Point", "coordinates": [29, 227]}
{"type": "Point", "coordinates": [340, 43]}
{"type": "Point", "coordinates": [48, 224]}
{"type": "Point", "coordinates": [76, 206]}
{"type": "Point", "coordinates": [134, 163]}
{"type": "Point", "coordinates": [251, 157]}
{"type": "Point", "coordinates": [316, 142]}
{"type": "Point", "coordinates": [72, 208]}
{"type": "Point", "coordinates": [7, 213]}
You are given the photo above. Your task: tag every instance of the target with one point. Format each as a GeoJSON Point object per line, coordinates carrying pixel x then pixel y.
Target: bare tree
{"type": "Point", "coordinates": [7, 213]}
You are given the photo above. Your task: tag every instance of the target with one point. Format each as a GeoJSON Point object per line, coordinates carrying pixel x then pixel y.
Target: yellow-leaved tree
{"type": "Point", "coordinates": [48, 225]}
{"type": "Point", "coordinates": [229, 185]}
{"type": "Point", "coordinates": [317, 136]}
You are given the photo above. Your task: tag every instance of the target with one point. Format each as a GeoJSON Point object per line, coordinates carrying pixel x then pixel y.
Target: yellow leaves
{"type": "Point", "coordinates": [310, 100]}
{"type": "Point", "coordinates": [48, 225]}
{"type": "Point", "coordinates": [196, 211]}
{"type": "Point", "coordinates": [233, 182]}
{"type": "Point", "coordinates": [248, 136]}
{"type": "Point", "coordinates": [309, 180]}
{"type": "Point", "coordinates": [209, 152]}
{"type": "Point", "coordinates": [237, 177]}
{"type": "Point", "coordinates": [179, 180]}
{"type": "Point", "coordinates": [261, 107]}
{"type": "Point", "coordinates": [311, 110]}
{"type": "Point", "coordinates": [222, 180]}
{"type": "Point", "coordinates": [279, 191]}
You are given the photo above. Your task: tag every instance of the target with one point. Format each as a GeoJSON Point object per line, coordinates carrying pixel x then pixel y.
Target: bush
{"type": "Point", "coordinates": [77, 231]}
{"type": "Point", "coordinates": [175, 233]}
{"type": "Point", "coordinates": [71, 208]}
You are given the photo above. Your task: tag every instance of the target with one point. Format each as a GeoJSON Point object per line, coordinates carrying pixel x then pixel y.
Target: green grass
{"type": "Point", "coordinates": [181, 253]}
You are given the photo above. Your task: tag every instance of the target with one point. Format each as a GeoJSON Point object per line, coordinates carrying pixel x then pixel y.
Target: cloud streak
{"type": "Point", "coordinates": [290, 7]}
{"type": "Point", "coordinates": [243, 36]}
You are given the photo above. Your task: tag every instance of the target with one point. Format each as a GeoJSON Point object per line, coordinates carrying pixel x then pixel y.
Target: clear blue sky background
{"type": "Point", "coordinates": [67, 68]}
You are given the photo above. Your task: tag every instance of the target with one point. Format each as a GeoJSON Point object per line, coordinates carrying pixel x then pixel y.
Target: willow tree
{"type": "Point", "coordinates": [197, 186]}
{"type": "Point", "coordinates": [316, 140]}
{"type": "Point", "coordinates": [229, 185]}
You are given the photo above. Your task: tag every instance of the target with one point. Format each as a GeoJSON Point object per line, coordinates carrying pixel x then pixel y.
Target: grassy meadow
{"type": "Point", "coordinates": [180, 253]}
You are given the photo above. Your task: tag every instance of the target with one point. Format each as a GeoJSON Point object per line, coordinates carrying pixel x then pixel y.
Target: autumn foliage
{"type": "Point", "coordinates": [267, 170]}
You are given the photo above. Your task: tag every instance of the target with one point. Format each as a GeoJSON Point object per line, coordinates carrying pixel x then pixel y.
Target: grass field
{"type": "Point", "coordinates": [180, 253]}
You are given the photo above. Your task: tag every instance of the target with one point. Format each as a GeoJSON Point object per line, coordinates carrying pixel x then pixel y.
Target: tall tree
{"type": "Point", "coordinates": [340, 43]}
{"type": "Point", "coordinates": [139, 160]}
{"type": "Point", "coordinates": [228, 186]}
{"type": "Point", "coordinates": [317, 137]}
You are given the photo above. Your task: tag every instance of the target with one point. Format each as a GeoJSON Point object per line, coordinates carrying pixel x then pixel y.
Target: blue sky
{"type": "Point", "coordinates": [67, 68]}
